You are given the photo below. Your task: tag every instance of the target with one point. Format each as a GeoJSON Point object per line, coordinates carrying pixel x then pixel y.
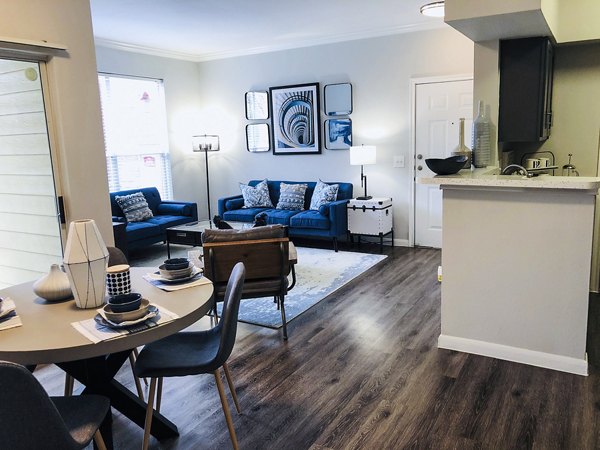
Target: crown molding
{"type": "Point", "coordinates": [331, 39]}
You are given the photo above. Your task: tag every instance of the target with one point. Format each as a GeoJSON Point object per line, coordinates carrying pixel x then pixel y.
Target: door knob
{"type": "Point", "coordinates": [419, 167]}
{"type": "Point", "coordinates": [419, 156]}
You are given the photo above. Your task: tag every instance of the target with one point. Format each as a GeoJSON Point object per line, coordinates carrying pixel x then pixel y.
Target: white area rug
{"type": "Point", "coordinates": [319, 273]}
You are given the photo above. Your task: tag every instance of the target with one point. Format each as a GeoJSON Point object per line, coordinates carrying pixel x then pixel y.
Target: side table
{"type": "Point", "coordinates": [371, 217]}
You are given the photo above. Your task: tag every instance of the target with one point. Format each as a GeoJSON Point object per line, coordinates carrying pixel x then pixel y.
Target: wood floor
{"type": "Point", "coordinates": [361, 370]}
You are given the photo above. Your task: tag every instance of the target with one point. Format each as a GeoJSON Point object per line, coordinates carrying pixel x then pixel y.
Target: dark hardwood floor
{"type": "Point", "coordinates": [362, 370]}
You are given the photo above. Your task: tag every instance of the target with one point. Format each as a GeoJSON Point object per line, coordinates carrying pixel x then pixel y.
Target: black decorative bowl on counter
{"type": "Point", "coordinates": [447, 166]}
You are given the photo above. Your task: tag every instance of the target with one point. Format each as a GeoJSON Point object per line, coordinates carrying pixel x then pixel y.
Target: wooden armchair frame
{"type": "Point", "coordinates": [267, 267]}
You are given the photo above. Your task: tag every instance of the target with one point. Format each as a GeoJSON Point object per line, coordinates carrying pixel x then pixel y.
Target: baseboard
{"type": "Point", "coordinates": [515, 354]}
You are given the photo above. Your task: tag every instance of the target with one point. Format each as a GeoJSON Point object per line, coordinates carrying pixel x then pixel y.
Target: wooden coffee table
{"type": "Point", "coordinates": [186, 234]}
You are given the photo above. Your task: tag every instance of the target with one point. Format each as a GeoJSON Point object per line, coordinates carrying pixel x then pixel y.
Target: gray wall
{"type": "Point", "coordinates": [209, 98]}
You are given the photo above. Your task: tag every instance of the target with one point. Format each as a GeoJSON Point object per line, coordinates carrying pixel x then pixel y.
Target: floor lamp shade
{"type": "Point", "coordinates": [86, 258]}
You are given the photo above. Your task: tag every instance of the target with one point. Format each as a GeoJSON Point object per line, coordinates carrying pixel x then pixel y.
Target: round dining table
{"type": "Point", "coordinates": [48, 336]}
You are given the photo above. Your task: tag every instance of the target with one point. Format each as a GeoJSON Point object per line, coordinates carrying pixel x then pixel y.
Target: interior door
{"type": "Point", "coordinates": [30, 239]}
{"type": "Point", "coordinates": [438, 108]}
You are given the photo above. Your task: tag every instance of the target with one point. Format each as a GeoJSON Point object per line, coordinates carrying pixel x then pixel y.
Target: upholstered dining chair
{"type": "Point", "coordinates": [193, 353]}
{"type": "Point", "coordinates": [115, 257]}
{"type": "Point", "coordinates": [265, 253]}
{"type": "Point", "coordinates": [29, 419]}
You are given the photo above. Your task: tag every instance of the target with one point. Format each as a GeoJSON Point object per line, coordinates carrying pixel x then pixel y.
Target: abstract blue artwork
{"type": "Point", "coordinates": [338, 134]}
{"type": "Point", "coordinates": [295, 119]}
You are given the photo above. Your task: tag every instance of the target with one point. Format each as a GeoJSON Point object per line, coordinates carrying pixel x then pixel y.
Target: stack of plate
{"type": "Point", "coordinates": [183, 270]}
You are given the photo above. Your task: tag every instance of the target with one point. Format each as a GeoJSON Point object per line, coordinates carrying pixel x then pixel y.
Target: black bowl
{"type": "Point", "coordinates": [176, 263]}
{"type": "Point", "coordinates": [446, 166]}
{"type": "Point", "coordinates": [125, 302]}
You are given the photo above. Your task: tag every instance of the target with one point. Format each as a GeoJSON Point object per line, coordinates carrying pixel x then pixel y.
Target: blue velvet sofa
{"type": "Point", "coordinates": [166, 214]}
{"type": "Point", "coordinates": [330, 221]}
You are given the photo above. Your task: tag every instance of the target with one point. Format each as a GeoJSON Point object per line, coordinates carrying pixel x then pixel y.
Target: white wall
{"type": "Point", "coordinates": [74, 101]}
{"type": "Point", "coordinates": [379, 70]}
{"type": "Point", "coordinates": [208, 98]}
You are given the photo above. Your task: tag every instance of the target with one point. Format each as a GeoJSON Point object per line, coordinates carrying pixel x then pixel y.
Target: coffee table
{"type": "Point", "coordinates": [191, 233]}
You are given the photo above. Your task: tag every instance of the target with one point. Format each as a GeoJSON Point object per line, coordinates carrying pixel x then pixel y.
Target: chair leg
{"type": "Point", "coordinates": [225, 409]}
{"type": "Point", "coordinates": [159, 394]}
{"type": "Point", "coordinates": [136, 354]}
{"type": "Point", "coordinates": [69, 384]}
{"type": "Point", "coordinates": [335, 244]}
{"type": "Point", "coordinates": [281, 301]}
{"type": "Point", "coordinates": [99, 441]}
{"type": "Point", "coordinates": [138, 385]}
{"type": "Point", "coordinates": [276, 300]}
{"type": "Point", "coordinates": [149, 412]}
{"type": "Point", "coordinates": [231, 387]}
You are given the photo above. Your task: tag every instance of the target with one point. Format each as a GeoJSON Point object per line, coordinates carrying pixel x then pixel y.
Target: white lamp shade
{"type": "Point", "coordinates": [85, 260]}
{"type": "Point", "coordinates": [363, 155]}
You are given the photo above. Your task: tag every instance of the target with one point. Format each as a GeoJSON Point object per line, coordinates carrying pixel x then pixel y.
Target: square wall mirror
{"type": "Point", "coordinates": [257, 105]}
{"type": "Point", "coordinates": [338, 99]}
{"type": "Point", "coordinates": [257, 137]}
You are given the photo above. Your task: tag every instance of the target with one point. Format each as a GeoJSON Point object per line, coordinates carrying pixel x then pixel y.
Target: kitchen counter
{"type": "Point", "coordinates": [516, 257]}
{"type": "Point", "coordinates": [489, 178]}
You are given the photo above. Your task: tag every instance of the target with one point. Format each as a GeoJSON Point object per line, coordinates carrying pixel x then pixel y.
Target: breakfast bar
{"type": "Point", "coordinates": [516, 256]}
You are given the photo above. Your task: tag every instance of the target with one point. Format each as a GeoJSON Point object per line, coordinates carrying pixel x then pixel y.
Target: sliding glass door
{"type": "Point", "coordinates": [30, 239]}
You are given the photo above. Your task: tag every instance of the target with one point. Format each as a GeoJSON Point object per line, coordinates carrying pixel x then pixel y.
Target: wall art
{"type": "Point", "coordinates": [296, 122]}
{"type": "Point", "coordinates": [338, 134]}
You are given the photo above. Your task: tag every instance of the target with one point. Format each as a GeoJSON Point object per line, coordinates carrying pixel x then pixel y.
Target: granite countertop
{"type": "Point", "coordinates": [489, 178]}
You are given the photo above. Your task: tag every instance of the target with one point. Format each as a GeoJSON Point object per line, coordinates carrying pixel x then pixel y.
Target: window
{"type": "Point", "coordinates": [135, 131]}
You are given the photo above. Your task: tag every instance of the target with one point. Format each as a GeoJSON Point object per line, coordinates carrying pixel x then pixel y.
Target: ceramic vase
{"type": "Point", "coordinates": [54, 286]}
{"type": "Point", "coordinates": [85, 261]}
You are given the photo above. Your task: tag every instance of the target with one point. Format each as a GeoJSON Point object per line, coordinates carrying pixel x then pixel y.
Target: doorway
{"type": "Point", "coordinates": [30, 229]}
{"type": "Point", "coordinates": [437, 107]}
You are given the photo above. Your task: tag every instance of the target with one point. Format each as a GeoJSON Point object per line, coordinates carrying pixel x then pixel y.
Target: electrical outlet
{"type": "Point", "coordinates": [398, 161]}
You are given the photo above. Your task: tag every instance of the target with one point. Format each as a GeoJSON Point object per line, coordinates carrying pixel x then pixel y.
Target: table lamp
{"type": "Point", "coordinates": [360, 156]}
{"type": "Point", "coordinates": [206, 143]}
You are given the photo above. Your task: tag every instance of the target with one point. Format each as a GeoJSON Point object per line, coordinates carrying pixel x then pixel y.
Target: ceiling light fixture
{"type": "Point", "coordinates": [435, 9]}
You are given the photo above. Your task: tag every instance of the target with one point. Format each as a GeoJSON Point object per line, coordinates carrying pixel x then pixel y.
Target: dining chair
{"type": "Point", "coordinates": [193, 353]}
{"type": "Point", "coordinates": [30, 419]}
{"type": "Point", "coordinates": [115, 257]}
{"type": "Point", "coordinates": [266, 259]}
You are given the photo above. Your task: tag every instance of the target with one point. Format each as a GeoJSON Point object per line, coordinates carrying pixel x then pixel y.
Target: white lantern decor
{"type": "Point", "coordinates": [85, 261]}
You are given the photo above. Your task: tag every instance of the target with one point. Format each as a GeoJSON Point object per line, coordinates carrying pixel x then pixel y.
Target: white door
{"type": "Point", "coordinates": [438, 108]}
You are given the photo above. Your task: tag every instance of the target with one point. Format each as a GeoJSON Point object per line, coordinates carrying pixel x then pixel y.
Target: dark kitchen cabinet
{"type": "Point", "coordinates": [525, 90]}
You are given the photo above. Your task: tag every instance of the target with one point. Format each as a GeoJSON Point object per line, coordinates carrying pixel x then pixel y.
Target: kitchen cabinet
{"type": "Point", "coordinates": [525, 113]}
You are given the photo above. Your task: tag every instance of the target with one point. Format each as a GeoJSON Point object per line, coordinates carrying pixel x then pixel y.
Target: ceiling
{"type": "Point", "coordinates": [201, 30]}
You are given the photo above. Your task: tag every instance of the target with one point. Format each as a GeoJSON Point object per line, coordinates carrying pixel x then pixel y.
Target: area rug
{"type": "Point", "coordinates": [318, 273]}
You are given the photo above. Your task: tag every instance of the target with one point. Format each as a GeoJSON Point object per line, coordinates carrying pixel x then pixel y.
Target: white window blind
{"type": "Point", "coordinates": [135, 132]}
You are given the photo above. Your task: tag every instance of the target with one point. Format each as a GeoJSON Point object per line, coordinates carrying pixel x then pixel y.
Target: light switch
{"type": "Point", "coordinates": [398, 161]}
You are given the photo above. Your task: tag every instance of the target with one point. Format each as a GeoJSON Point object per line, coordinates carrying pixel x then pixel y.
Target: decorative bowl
{"type": "Point", "coordinates": [125, 302]}
{"type": "Point", "coordinates": [176, 263]}
{"type": "Point", "coordinates": [174, 274]}
{"type": "Point", "coordinates": [447, 166]}
{"type": "Point", "coordinates": [118, 317]}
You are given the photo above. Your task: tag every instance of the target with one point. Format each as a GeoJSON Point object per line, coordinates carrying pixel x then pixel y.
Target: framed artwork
{"type": "Point", "coordinates": [257, 105]}
{"type": "Point", "coordinates": [257, 137]}
{"type": "Point", "coordinates": [338, 134]}
{"type": "Point", "coordinates": [296, 122]}
{"type": "Point", "coordinates": [338, 99]}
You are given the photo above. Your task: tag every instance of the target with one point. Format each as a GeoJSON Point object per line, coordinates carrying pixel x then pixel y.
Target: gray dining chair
{"type": "Point", "coordinates": [29, 419]}
{"type": "Point", "coordinates": [193, 353]}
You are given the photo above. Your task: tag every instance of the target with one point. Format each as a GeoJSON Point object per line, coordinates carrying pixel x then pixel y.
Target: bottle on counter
{"type": "Point", "coordinates": [462, 149]}
{"type": "Point", "coordinates": [480, 139]}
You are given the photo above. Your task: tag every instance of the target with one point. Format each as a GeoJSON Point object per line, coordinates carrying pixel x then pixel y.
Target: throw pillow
{"type": "Point", "coordinates": [291, 196]}
{"type": "Point", "coordinates": [134, 206]}
{"type": "Point", "coordinates": [324, 193]}
{"type": "Point", "coordinates": [257, 196]}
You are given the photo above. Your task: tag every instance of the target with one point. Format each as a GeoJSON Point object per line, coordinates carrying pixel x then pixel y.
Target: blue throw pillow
{"type": "Point", "coordinates": [257, 196]}
{"type": "Point", "coordinates": [291, 196]}
{"type": "Point", "coordinates": [324, 193]}
{"type": "Point", "coordinates": [134, 206]}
